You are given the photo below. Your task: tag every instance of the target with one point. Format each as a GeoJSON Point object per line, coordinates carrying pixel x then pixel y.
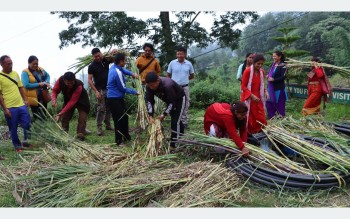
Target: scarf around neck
{"type": "Point", "coordinates": [249, 86]}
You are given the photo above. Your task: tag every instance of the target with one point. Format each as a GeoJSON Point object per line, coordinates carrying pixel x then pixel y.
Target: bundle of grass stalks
{"type": "Point", "coordinates": [55, 136]}
{"type": "Point", "coordinates": [155, 139]}
{"type": "Point", "coordinates": [86, 60]}
{"type": "Point", "coordinates": [132, 182]}
{"type": "Point", "coordinates": [292, 63]}
{"type": "Point", "coordinates": [155, 131]}
{"type": "Point", "coordinates": [214, 187]}
{"type": "Point", "coordinates": [257, 154]}
{"type": "Point", "coordinates": [307, 150]}
{"type": "Point", "coordinates": [316, 128]}
{"type": "Point", "coordinates": [280, 162]}
{"type": "Point", "coordinates": [142, 114]}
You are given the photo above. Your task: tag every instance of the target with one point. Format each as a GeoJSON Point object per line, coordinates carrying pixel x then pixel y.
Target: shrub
{"type": "Point", "coordinates": [204, 93]}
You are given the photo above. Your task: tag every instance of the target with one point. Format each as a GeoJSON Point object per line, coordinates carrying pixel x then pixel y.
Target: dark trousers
{"type": "Point", "coordinates": [38, 111]}
{"type": "Point", "coordinates": [82, 118]}
{"type": "Point", "coordinates": [177, 127]}
{"type": "Point", "coordinates": [120, 119]}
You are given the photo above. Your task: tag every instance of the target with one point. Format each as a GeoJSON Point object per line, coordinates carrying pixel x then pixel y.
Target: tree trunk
{"type": "Point", "coordinates": [169, 46]}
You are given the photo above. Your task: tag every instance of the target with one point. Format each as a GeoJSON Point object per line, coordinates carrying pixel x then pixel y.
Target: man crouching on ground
{"type": "Point", "coordinates": [173, 95]}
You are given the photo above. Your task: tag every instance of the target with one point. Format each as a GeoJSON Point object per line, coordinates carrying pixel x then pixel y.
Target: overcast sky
{"type": "Point", "coordinates": [36, 33]}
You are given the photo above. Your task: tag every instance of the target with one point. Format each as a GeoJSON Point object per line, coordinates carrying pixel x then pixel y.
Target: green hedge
{"type": "Point", "coordinates": [204, 93]}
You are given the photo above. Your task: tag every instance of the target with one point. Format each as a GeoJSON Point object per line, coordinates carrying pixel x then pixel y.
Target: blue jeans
{"type": "Point", "coordinates": [19, 115]}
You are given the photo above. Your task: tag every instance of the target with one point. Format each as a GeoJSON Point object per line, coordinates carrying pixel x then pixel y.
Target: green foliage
{"type": "Point", "coordinates": [338, 42]}
{"type": "Point", "coordinates": [286, 30]}
{"type": "Point", "coordinates": [295, 53]}
{"type": "Point", "coordinates": [314, 28]}
{"type": "Point", "coordinates": [338, 81]}
{"type": "Point", "coordinates": [101, 29]}
{"type": "Point", "coordinates": [320, 45]}
{"type": "Point", "coordinates": [203, 94]}
{"type": "Point", "coordinates": [287, 40]}
{"type": "Point", "coordinates": [106, 29]}
{"type": "Point", "coordinates": [215, 57]}
{"type": "Point", "coordinates": [256, 37]}
{"type": "Point", "coordinates": [215, 89]}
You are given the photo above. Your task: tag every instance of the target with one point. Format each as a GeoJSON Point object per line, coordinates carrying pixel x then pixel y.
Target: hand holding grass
{"type": "Point", "coordinates": [245, 152]}
{"type": "Point", "coordinates": [161, 117]}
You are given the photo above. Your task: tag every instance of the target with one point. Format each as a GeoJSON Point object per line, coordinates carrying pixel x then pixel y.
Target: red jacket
{"type": "Point", "coordinates": [220, 114]}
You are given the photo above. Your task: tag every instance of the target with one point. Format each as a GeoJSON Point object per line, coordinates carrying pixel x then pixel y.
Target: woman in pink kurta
{"type": "Point", "coordinates": [254, 94]}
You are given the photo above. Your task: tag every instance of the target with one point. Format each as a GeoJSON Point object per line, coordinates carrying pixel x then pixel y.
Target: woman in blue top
{"type": "Point", "coordinates": [35, 79]}
{"type": "Point", "coordinates": [116, 89]}
{"type": "Point", "coordinates": [276, 87]}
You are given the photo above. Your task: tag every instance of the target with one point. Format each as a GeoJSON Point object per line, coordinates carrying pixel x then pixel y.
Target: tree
{"type": "Point", "coordinates": [254, 37]}
{"type": "Point", "coordinates": [287, 39]}
{"type": "Point", "coordinates": [106, 29]}
{"type": "Point", "coordinates": [338, 42]}
{"type": "Point", "coordinates": [319, 41]}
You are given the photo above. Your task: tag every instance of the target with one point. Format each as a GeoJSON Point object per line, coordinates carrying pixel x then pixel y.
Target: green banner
{"type": "Point", "coordinates": [340, 95]}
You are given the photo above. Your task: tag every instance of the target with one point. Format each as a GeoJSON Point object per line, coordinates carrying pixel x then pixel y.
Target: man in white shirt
{"type": "Point", "coordinates": [181, 71]}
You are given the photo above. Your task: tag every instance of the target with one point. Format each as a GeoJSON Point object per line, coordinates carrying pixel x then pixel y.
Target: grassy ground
{"type": "Point", "coordinates": [252, 195]}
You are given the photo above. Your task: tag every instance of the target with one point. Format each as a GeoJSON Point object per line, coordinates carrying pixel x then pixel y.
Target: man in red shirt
{"type": "Point", "coordinates": [75, 97]}
{"type": "Point", "coordinates": [224, 120]}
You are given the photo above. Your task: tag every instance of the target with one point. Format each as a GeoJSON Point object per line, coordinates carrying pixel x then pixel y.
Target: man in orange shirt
{"type": "Point", "coordinates": [147, 62]}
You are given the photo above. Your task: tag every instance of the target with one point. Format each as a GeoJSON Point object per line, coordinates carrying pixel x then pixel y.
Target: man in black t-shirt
{"type": "Point", "coordinates": [98, 76]}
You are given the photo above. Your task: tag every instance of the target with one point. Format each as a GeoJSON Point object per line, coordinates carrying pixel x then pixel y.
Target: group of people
{"type": "Point", "coordinates": [107, 80]}
{"type": "Point", "coordinates": [173, 90]}
{"type": "Point", "coordinates": [106, 77]}
{"type": "Point", "coordinates": [18, 93]}
{"type": "Point", "coordinates": [248, 115]}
